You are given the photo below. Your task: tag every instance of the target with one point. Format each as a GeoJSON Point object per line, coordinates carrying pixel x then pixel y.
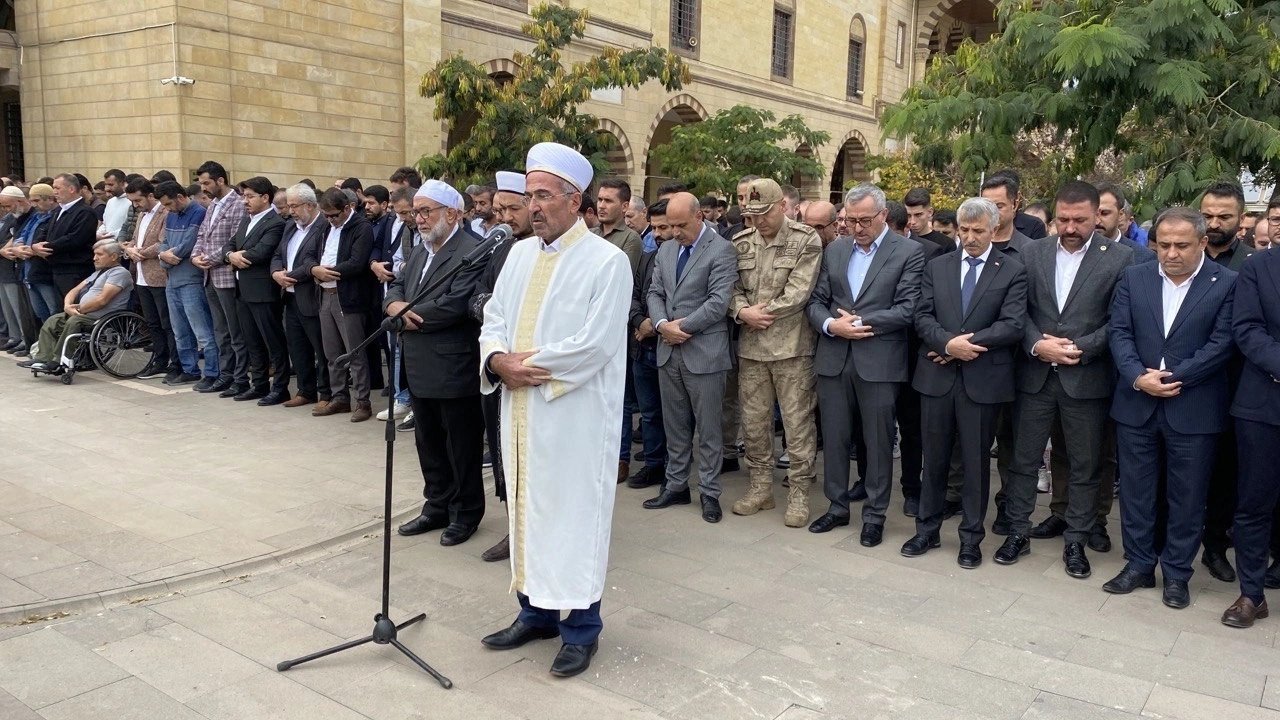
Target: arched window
{"type": "Point", "coordinates": [857, 52]}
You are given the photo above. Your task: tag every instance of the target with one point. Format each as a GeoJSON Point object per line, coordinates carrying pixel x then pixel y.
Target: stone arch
{"type": "Point", "coordinates": [810, 186]}
{"type": "Point", "coordinates": [683, 109]}
{"type": "Point", "coordinates": [500, 66]}
{"type": "Point", "coordinates": [850, 163]}
{"type": "Point", "coordinates": [944, 13]}
{"type": "Point", "coordinates": [619, 155]}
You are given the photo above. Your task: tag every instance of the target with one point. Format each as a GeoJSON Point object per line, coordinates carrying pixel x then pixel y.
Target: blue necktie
{"type": "Point", "coordinates": [970, 281]}
{"type": "Point", "coordinates": [684, 258]}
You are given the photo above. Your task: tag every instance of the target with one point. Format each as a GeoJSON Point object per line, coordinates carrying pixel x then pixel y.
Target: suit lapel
{"type": "Point", "coordinates": [1152, 296]}
{"type": "Point", "coordinates": [443, 257]}
{"type": "Point", "coordinates": [699, 252]}
{"type": "Point", "coordinates": [995, 261]}
{"type": "Point", "coordinates": [1207, 277]}
{"type": "Point", "coordinates": [1092, 257]}
{"type": "Point", "coordinates": [887, 247]}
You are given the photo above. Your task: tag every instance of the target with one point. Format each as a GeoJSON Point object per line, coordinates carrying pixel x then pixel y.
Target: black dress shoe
{"type": "Point", "coordinates": [919, 545]}
{"type": "Point", "coordinates": [1100, 541]}
{"type": "Point", "coordinates": [250, 394]}
{"type": "Point", "coordinates": [27, 363]}
{"type": "Point", "coordinates": [1014, 547]}
{"type": "Point", "coordinates": [1218, 566]}
{"type": "Point", "coordinates": [648, 476]}
{"type": "Point", "coordinates": [970, 556]}
{"type": "Point", "coordinates": [1272, 578]}
{"type": "Point", "coordinates": [1176, 594]}
{"type": "Point", "coordinates": [827, 523]}
{"type": "Point", "coordinates": [456, 534]}
{"type": "Point", "coordinates": [183, 379]}
{"type": "Point", "coordinates": [711, 511]}
{"type": "Point", "coordinates": [951, 508]}
{"type": "Point", "coordinates": [729, 465]}
{"type": "Point", "coordinates": [274, 398]}
{"type": "Point", "coordinates": [666, 498]}
{"type": "Point", "coordinates": [518, 634]}
{"type": "Point", "coordinates": [1001, 526]}
{"type": "Point", "coordinates": [858, 492]}
{"type": "Point", "coordinates": [1076, 562]}
{"type": "Point", "coordinates": [911, 506]}
{"type": "Point", "coordinates": [232, 391]}
{"type": "Point", "coordinates": [422, 524]}
{"type": "Point", "coordinates": [872, 535]}
{"type": "Point", "coordinates": [11, 344]}
{"type": "Point", "coordinates": [1052, 527]}
{"type": "Point", "coordinates": [573, 659]}
{"type": "Point", "coordinates": [217, 386]}
{"type": "Point", "coordinates": [1128, 580]}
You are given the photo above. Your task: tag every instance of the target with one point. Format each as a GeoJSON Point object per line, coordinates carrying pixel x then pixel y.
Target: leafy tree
{"type": "Point", "coordinates": [896, 174]}
{"type": "Point", "coordinates": [540, 103]}
{"type": "Point", "coordinates": [713, 154]}
{"type": "Point", "coordinates": [1182, 92]}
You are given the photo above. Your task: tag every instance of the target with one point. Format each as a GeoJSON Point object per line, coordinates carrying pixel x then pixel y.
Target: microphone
{"type": "Point", "coordinates": [494, 239]}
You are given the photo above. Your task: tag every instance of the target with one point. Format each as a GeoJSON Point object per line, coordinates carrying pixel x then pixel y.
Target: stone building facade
{"type": "Point", "coordinates": [322, 88]}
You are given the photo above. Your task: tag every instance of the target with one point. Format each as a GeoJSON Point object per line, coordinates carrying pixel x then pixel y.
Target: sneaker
{"type": "Point", "coordinates": [205, 384]}
{"type": "Point", "coordinates": [183, 379]}
{"type": "Point", "coordinates": [171, 376]}
{"type": "Point", "coordinates": [784, 461]}
{"type": "Point", "coordinates": [487, 461]}
{"type": "Point", "coordinates": [151, 372]}
{"type": "Point", "coordinates": [407, 425]}
{"type": "Point", "coordinates": [1044, 482]}
{"type": "Point", "coordinates": [401, 409]}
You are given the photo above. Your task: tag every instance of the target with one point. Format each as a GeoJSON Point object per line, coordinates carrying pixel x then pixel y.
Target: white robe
{"type": "Point", "coordinates": [560, 439]}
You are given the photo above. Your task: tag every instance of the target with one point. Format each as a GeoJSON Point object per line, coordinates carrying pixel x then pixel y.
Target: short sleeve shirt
{"type": "Point", "coordinates": [100, 279]}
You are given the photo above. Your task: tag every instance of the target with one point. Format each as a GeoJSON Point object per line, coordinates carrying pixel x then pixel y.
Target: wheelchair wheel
{"type": "Point", "coordinates": [120, 344]}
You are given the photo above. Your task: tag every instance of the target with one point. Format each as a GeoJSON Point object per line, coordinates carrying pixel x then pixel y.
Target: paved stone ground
{"type": "Point", "coordinates": [746, 619]}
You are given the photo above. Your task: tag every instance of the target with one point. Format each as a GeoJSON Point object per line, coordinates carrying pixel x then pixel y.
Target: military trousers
{"type": "Point", "coordinates": [791, 384]}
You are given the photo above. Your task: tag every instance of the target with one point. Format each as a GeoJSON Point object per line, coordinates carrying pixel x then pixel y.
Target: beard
{"type": "Point", "coordinates": [1221, 237]}
{"type": "Point", "coordinates": [439, 232]}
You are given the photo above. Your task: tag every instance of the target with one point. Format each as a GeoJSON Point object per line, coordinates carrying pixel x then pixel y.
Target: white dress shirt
{"type": "Point", "coordinates": [329, 257]}
{"type": "Point", "coordinates": [1172, 295]}
{"type": "Point", "coordinates": [253, 219]}
{"type": "Point", "coordinates": [1065, 270]}
{"type": "Point", "coordinates": [293, 245]}
{"type": "Point", "coordinates": [964, 265]}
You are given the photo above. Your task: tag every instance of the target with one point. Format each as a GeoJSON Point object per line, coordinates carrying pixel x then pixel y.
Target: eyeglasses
{"type": "Point", "coordinates": [1273, 219]}
{"type": "Point", "coordinates": [861, 221]}
{"type": "Point", "coordinates": [424, 214]}
{"type": "Point", "coordinates": [542, 197]}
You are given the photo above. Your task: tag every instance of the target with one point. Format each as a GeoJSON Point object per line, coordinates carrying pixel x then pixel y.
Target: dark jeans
{"type": "Point", "coordinates": [628, 413]}
{"type": "Point", "coordinates": [449, 434]}
{"type": "Point", "coordinates": [155, 308]}
{"type": "Point", "coordinates": [644, 375]}
{"type": "Point", "coordinates": [580, 627]}
{"type": "Point", "coordinates": [1259, 494]}
{"type": "Point", "coordinates": [45, 300]}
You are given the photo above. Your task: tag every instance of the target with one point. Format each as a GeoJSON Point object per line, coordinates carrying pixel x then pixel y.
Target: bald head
{"type": "Point", "coordinates": [821, 216]}
{"type": "Point", "coordinates": [685, 218]}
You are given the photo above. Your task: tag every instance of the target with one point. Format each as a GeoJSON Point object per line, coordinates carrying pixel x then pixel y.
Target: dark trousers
{"type": "Point", "coordinates": [1003, 441]}
{"type": "Point", "coordinates": [377, 353]}
{"type": "Point", "coordinates": [972, 424]}
{"type": "Point", "coordinates": [1187, 460]}
{"type": "Point", "coordinates": [226, 328]}
{"type": "Point", "coordinates": [1258, 446]}
{"type": "Point", "coordinates": [155, 308]}
{"type": "Point", "coordinates": [449, 434]}
{"type": "Point", "coordinates": [66, 278]}
{"type": "Point", "coordinates": [580, 627]}
{"type": "Point", "coordinates": [1220, 508]}
{"type": "Point", "coordinates": [1083, 422]}
{"type": "Point", "coordinates": [264, 337]}
{"type": "Point", "coordinates": [628, 413]}
{"type": "Point", "coordinates": [306, 351]}
{"type": "Point", "coordinates": [910, 439]}
{"type": "Point", "coordinates": [847, 403]}
{"type": "Point", "coordinates": [1106, 473]}
{"type": "Point", "coordinates": [491, 406]}
{"type": "Point", "coordinates": [644, 376]}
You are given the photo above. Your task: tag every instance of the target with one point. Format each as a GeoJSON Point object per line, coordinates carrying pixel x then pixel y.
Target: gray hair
{"type": "Point", "coordinates": [978, 208]}
{"type": "Point", "coordinates": [302, 193]}
{"type": "Point", "coordinates": [637, 204]}
{"type": "Point", "coordinates": [110, 247]}
{"type": "Point", "coordinates": [1182, 214]}
{"type": "Point", "coordinates": [352, 198]}
{"type": "Point", "coordinates": [865, 190]}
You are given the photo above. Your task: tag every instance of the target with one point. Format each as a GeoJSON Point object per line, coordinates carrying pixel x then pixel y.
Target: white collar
{"type": "Point", "coordinates": [1199, 267]}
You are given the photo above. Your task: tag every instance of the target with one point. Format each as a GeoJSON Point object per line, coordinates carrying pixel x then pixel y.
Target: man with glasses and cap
{"type": "Point", "coordinates": [555, 339]}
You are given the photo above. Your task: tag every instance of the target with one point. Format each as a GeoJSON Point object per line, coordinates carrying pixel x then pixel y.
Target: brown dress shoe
{"type": "Point", "coordinates": [298, 401]}
{"type": "Point", "coordinates": [501, 551]}
{"type": "Point", "coordinates": [1243, 612]}
{"type": "Point", "coordinates": [363, 412]}
{"type": "Point", "coordinates": [333, 408]}
{"type": "Point", "coordinates": [624, 471]}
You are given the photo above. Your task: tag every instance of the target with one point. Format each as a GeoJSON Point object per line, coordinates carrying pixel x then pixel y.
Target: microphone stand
{"type": "Point", "coordinates": [384, 629]}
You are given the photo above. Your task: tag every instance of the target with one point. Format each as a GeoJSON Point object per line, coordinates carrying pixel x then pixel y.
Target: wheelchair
{"type": "Point", "coordinates": [119, 344]}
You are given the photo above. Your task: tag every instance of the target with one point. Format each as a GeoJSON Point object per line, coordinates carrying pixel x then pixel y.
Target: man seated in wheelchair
{"type": "Point", "coordinates": [102, 293]}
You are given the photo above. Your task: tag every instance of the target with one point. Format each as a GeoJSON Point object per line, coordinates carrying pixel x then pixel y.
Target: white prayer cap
{"type": "Point", "coordinates": [441, 193]}
{"type": "Point", "coordinates": [563, 162]}
{"type": "Point", "coordinates": [512, 182]}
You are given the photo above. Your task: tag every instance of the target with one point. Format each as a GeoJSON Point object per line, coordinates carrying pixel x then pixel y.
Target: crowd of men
{"type": "Point", "coordinates": [1087, 354]}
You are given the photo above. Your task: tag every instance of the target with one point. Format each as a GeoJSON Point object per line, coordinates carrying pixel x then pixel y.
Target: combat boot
{"type": "Point", "coordinates": [759, 497]}
{"type": "Point", "coordinates": [797, 514]}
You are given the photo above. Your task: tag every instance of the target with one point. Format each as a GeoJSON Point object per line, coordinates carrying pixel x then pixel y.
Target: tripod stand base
{"type": "Point", "coordinates": [384, 633]}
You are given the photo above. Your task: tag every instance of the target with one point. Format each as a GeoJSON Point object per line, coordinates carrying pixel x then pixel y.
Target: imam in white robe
{"type": "Point", "coordinates": [569, 304]}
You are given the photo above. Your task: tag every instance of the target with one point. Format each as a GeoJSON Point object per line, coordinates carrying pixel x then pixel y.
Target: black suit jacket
{"type": "Point", "coordinates": [441, 357]}
{"type": "Point", "coordinates": [1030, 226]}
{"type": "Point", "coordinates": [306, 292]}
{"type": "Point", "coordinates": [71, 236]}
{"type": "Point", "coordinates": [254, 283]}
{"type": "Point", "coordinates": [355, 243]}
{"type": "Point", "coordinates": [995, 317]}
{"type": "Point", "coordinates": [489, 278]}
{"type": "Point", "coordinates": [640, 304]}
{"type": "Point", "coordinates": [1255, 326]}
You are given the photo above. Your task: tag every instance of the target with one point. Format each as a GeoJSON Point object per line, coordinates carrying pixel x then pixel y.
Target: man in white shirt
{"type": "Point", "coordinates": [150, 277]}
{"type": "Point", "coordinates": [301, 297]}
{"type": "Point", "coordinates": [117, 210]}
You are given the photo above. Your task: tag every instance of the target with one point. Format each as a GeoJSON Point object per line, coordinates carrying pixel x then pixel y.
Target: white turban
{"type": "Point", "coordinates": [512, 182]}
{"type": "Point", "coordinates": [563, 162]}
{"type": "Point", "coordinates": [441, 193]}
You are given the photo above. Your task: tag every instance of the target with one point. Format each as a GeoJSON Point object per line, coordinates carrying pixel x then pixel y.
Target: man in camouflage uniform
{"type": "Point", "coordinates": [778, 263]}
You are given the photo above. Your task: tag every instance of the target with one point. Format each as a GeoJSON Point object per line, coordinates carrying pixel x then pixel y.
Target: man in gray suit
{"type": "Point", "coordinates": [1065, 373]}
{"type": "Point", "coordinates": [692, 282]}
{"type": "Point", "coordinates": [863, 308]}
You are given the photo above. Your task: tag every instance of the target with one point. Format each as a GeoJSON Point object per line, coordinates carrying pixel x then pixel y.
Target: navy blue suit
{"type": "Point", "coordinates": [1176, 433]}
{"type": "Point", "coordinates": [1256, 410]}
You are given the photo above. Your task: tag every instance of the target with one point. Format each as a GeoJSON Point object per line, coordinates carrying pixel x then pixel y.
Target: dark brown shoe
{"type": "Point", "coordinates": [1243, 612]}
{"type": "Point", "coordinates": [501, 551]}
{"type": "Point", "coordinates": [363, 412]}
{"type": "Point", "coordinates": [624, 469]}
{"type": "Point", "coordinates": [333, 408]}
{"type": "Point", "coordinates": [298, 401]}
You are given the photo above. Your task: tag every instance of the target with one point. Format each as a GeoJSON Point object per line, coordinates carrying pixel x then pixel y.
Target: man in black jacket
{"type": "Point", "coordinates": [68, 245]}
{"type": "Point", "coordinates": [250, 251]}
{"type": "Point", "coordinates": [644, 354]}
{"type": "Point", "coordinates": [301, 236]}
